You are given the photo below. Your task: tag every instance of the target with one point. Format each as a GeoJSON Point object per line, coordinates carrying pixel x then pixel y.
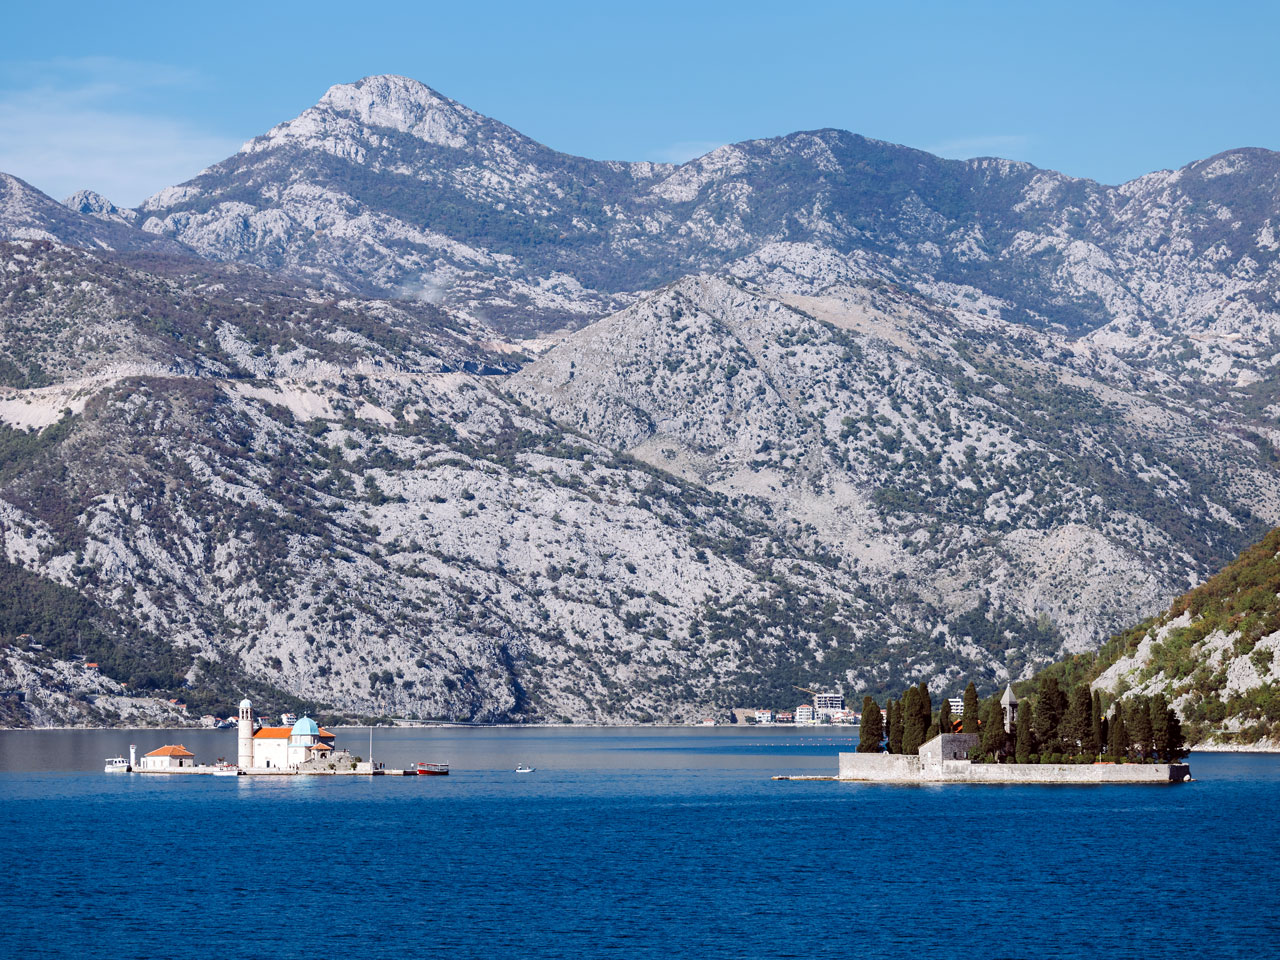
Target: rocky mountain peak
{"type": "Point", "coordinates": [28, 214]}
{"type": "Point", "coordinates": [391, 102]}
{"type": "Point", "coordinates": [96, 205]}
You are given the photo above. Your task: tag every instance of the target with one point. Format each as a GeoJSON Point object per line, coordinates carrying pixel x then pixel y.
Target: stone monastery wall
{"type": "Point", "coordinates": [897, 768]}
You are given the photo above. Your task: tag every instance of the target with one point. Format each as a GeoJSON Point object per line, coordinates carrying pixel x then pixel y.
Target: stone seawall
{"type": "Point", "coordinates": [896, 768]}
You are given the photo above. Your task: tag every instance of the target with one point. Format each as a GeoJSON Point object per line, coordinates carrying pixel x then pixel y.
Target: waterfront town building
{"type": "Point", "coordinates": [827, 705]}
{"type": "Point", "coordinates": [805, 714]}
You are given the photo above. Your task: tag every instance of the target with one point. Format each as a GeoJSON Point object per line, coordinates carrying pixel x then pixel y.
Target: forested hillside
{"type": "Point", "coordinates": [1215, 653]}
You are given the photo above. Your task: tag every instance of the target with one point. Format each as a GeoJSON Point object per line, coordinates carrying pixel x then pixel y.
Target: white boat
{"type": "Point", "coordinates": [225, 768]}
{"type": "Point", "coordinates": [116, 765]}
{"type": "Point", "coordinates": [525, 768]}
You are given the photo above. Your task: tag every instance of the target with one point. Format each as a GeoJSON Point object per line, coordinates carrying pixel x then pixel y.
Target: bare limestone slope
{"type": "Point", "coordinates": [250, 488]}
{"type": "Point", "coordinates": [983, 463]}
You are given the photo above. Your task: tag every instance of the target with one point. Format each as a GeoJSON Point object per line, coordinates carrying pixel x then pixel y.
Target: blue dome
{"type": "Point", "coordinates": [306, 727]}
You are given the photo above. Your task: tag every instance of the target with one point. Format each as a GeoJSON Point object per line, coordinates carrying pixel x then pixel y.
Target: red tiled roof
{"type": "Point", "coordinates": [272, 733]}
{"type": "Point", "coordinates": [171, 751]}
{"type": "Point", "coordinates": [280, 733]}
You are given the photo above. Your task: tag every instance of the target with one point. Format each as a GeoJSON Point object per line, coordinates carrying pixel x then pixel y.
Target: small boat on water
{"type": "Point", "coordinates": [116, 765]}
{"type": "Point", "coordinates": [432, 769]}
{"type": "Point", "coordinates": [525, 768]}
{"type": "Point", "coordinates": [226, 768]}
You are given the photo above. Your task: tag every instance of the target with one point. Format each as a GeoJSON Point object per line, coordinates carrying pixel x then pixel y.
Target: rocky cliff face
{"type": "Point", "coordinates": [813, 409]}
{"type": "Point", "coordinates": [984, 462]}
{"type": "Point", "coordinates": [318, 500]}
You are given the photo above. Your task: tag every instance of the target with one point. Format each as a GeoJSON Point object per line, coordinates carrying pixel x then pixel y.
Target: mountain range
{"type": "Point", "coordinates": [397, 411]}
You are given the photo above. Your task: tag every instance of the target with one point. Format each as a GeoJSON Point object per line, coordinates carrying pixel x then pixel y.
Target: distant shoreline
{"type": "Point", "coordinates": [1265, 746]}
{"type": "Point", "coordinates": [457, 725]}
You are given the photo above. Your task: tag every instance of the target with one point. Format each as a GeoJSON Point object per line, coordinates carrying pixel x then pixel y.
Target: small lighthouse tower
{"type": "Point", "coordinates": [245, 760]}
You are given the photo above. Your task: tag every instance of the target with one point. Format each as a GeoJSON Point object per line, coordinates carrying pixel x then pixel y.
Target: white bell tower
{"type": "Point", "coordinates": [245, 759]}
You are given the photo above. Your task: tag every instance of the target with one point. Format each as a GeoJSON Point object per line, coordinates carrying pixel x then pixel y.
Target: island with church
{"type": "Point", "coordinates": [300, 747]}
{"type": "Point", "coordinates": [1058, 736]}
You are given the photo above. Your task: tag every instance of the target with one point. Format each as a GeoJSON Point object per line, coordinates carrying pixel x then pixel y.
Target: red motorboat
{"type": "Point", "coordinates": [432, 769]}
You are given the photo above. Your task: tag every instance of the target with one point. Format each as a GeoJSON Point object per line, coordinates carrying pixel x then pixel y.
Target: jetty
{"type": "Point", "coordinates": [946, 759]}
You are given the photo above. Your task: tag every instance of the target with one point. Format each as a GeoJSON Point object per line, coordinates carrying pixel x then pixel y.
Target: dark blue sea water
{"type": "Point", "coordinates": [624, 843]}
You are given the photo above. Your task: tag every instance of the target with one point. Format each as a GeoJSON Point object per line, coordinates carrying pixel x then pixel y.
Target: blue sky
{"type": "Point", "coordinates": [128, 98]}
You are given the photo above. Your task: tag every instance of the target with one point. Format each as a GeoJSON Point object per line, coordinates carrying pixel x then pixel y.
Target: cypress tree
{"type": "Point", "coordinates": [1095, 720]}
{"type": "Point", "coordinates": [1166, 731]}
{"type": "Point", "coordinates": [872, 728]}
{"type": "Point", "coordinates": [970, 715]}
{"type": "Point", "coordinates": [944, 717]}
{"type": "Point", "coordinates": [1159, 707]}
{"type": "Point", "coordinates": [993, 728]}
{"type": "Point", "coordinates": [913, 729]}
{"type": "Point", "coordinates": [1177, 744]}
{"type": "Point", "coordinates": [1139, 725]}
{"type": "Point", "coordinates": [1118, 742]}
{"type": "Point", "coordinates": [924, 703]}
{"type": "Point", "coordinates": [1026, 739]}
{"type": "Point", "coordinates": [1051, 704]}
{"type": "Point", "coordinates": [1077, 727]}
{"type": "Point", "coordinates": [895, 726]}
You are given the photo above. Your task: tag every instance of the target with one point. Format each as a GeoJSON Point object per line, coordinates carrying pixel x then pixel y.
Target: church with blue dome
{"type": "Point", "coordinates": [281, 748]}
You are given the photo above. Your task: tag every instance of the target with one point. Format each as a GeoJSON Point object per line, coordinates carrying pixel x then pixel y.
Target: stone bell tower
{"type": "Point", "coordinates": [1009, 704]}
{"type": "Point", "coordinates": [245, 759]}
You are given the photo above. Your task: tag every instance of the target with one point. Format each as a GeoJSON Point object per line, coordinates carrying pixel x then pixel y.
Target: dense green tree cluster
{"type": "Point", "coordinates": [1072, 724]}
{"type": "Point", "coordinates": [1053, 724]}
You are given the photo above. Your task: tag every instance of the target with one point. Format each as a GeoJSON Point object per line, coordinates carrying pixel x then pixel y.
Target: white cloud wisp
{"type": "Point", "coordinates": [79, 126]}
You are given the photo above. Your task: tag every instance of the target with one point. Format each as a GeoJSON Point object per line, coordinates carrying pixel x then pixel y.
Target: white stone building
{"type": "Point", "coordinates": [170, 757]}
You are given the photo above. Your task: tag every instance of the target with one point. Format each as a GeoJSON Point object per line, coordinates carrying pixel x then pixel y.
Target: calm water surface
{"type": "Point", "coordinates": [624, 843]}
